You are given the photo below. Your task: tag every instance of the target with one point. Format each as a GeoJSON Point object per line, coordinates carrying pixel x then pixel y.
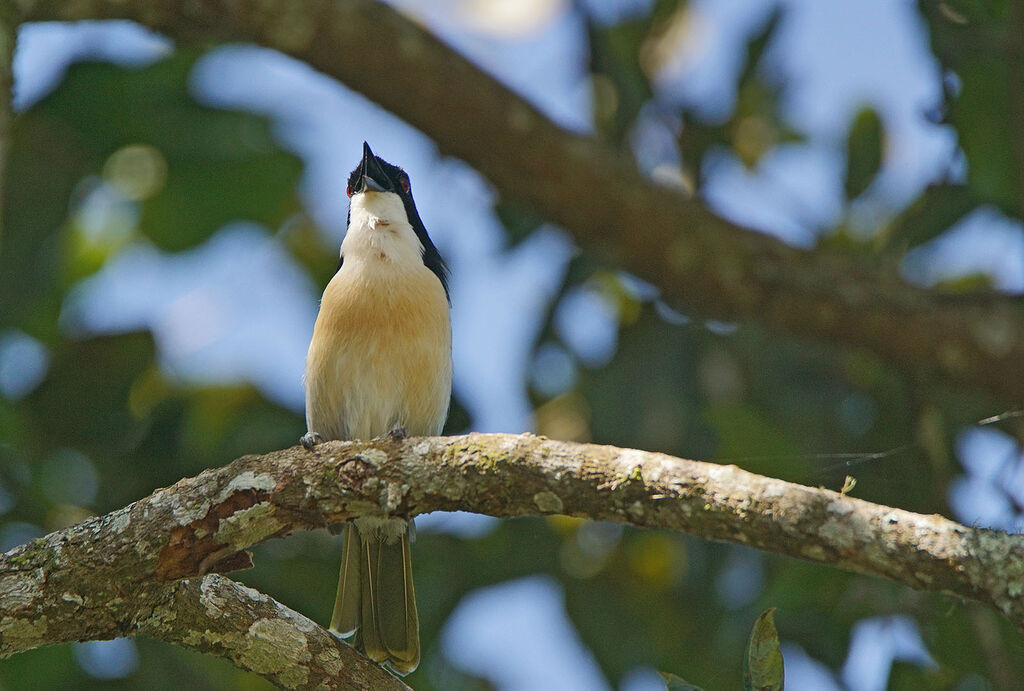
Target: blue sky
{"type": "Point", "coordinates": [237, 308]}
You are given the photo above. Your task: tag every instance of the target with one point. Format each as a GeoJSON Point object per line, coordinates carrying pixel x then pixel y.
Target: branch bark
{"type": "Point", "coordinates": [212, 614]}
{"type": "Point", "coordinates": [698, 259]}
{"type": "Point", "coordinates": [215, 615]}
{"type": "Point", "coordinates": [114, 574]}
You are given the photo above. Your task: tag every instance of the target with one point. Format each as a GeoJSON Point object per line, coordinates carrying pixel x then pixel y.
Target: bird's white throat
{"type": "Point", "coordinates": [379, 229]}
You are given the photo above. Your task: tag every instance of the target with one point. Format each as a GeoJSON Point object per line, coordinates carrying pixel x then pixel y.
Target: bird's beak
{"type": "Point", "coordinates": [371, 176]}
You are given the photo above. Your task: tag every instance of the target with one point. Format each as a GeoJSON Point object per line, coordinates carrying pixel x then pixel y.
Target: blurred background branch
{"type": "Point", "coordinates": [695, 257]}
{"type": "Point", "coordinates": [88, 580]}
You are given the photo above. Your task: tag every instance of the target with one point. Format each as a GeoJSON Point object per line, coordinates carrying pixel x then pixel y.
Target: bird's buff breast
{"type": "Point", "coordinates": [380, 356]}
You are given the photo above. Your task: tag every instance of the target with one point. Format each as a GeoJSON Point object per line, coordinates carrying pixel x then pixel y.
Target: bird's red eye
{"type": "Point", "coordinates": [348, 190]}
{"type": "Point", "coordinates": [405, 183]}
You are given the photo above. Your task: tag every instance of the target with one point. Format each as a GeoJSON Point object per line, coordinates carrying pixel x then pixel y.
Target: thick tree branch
{"type": "Point", "coordinates": [91, 580]}
{"type": "Point", "coordinates": [697, 258]}
{"type": "Point", "coordinates": [213, 614]}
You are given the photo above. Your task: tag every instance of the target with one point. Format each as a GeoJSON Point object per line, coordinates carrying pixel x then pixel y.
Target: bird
{"type": "Point", "coordinates": [380, 364]}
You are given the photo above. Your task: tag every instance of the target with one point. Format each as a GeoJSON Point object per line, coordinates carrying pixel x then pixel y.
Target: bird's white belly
{"type": "Point", "coordinates": [380, 356]}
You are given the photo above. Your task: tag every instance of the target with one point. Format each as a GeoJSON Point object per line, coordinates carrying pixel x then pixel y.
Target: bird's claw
{"type": "Point", "coordinates": [394, 434]}
{"type": "Point", "coordinates": [310, 439]}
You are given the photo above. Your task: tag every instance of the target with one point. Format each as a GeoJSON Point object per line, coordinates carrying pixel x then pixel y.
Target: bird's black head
{"type": "Point", "coordinates": [375, 175]}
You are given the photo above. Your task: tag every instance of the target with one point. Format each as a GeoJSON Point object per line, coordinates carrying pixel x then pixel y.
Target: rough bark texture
{"type": "Point", "coordinates": [48, 596]}
{"type": "Point", "coordinates": [213, 614]}
{"type": "Point", "coordinates": [699, 260]}
{"type": "Point", "coordinates": [116, 574]}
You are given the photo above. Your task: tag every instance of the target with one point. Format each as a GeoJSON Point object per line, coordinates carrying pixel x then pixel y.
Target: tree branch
{"type": "Point", "coordinates": [698, 259]}
{"type": "Point", "coordinates": [216, 615]}
{"type": "Point", "coordinates": [212, 614]}
{"type": "Point", "coordinates": [93, 579]}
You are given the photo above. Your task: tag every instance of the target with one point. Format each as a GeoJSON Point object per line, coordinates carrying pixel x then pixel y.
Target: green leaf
{"type": "Point", "coordinates": [982, 115]}
{"type": "Point", "coordinates": [696, 139]}
{"type": "Point", "coordinates": [763, 668]}
{"type": "Point", "coordinates": [931, 214]}
{"type": "Point", "coordinates": [519, 220]}
{"type": "Point", "coordinates": [758, 45]}
{"type": "Point", "coordinates": [864, 152]}
{"type": "Point", "coordinates": [675, 683]}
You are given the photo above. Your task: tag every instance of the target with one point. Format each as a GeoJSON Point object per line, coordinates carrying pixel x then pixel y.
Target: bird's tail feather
{"type": "Point", "coordinates": [376, 597]}
{"type": "Point", "coordinates": [345, 619]}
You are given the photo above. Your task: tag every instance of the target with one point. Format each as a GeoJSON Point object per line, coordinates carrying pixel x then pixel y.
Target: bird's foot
{"type": "Point", "coordinates": [310, 439]}
{"type": "Point", "coordinates": [394, 434]}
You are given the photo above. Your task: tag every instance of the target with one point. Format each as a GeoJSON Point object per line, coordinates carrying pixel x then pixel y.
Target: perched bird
{"type": "Point", "coordinates": [380, 363]}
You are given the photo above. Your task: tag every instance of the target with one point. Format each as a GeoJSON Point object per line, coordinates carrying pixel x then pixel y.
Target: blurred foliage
{"type": "Point", "coordinates": [979, 43]}
{"type": "Point", "coordinates": [931, 214]}
{"type": "Point", "coordinates": [789, 408]}
{"type": "Point", "coordinates": [755, 125]}
{"type": "Point", "coordinates": [106, 425]}
{"type": "Point", "coordinates": [864, 151]}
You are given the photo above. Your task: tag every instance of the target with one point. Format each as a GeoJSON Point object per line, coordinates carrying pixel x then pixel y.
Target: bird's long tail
{"type": "Point", "coordinates": [375, 593]}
